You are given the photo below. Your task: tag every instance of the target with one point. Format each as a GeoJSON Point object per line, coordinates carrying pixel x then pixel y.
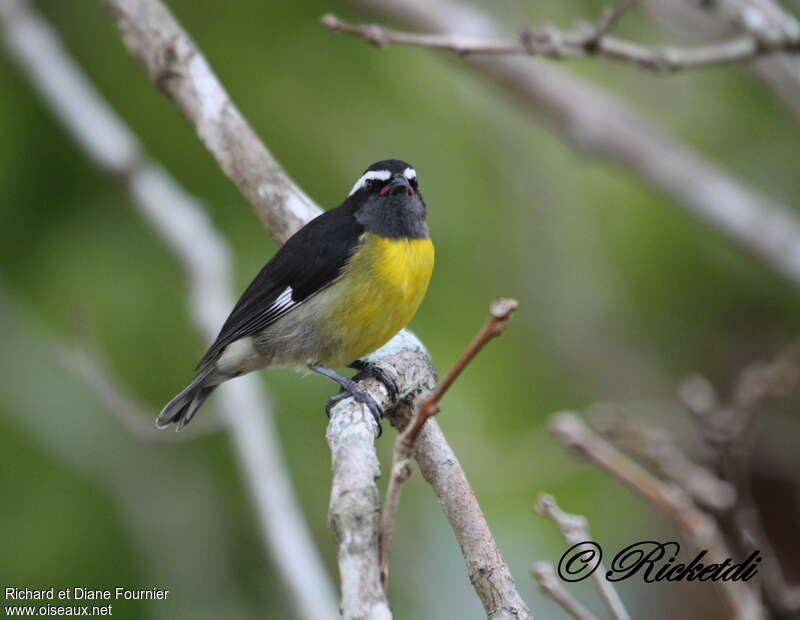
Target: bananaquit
{"type": "Point", "coordinates": [338, 289]}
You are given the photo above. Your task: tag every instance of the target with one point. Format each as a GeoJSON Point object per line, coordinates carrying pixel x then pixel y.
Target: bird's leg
{"type": "Point", "coordinates": [349, 388]}
{"type": "Point", "coordinates": [368, 369]}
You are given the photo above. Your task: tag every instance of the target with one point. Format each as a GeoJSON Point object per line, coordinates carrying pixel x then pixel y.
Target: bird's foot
{"type": "Point", "coordinates": [368, 369]}
{"type": "Point", "coordinates": [349, 388]}
{"type": "Point", "coordinates": [360, 396]}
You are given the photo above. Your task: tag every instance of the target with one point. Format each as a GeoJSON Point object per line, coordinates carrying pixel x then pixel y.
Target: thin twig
{"type": "Point", "coordinates": [551, 587]}
{"type": "Point", "coordinates": [699, 527]}
{"type": "Point", "coordinates": [500, 313]}
{"type": "Point", "coordinates": [557, 44]}
{"type": "Point", "coordinates": [575, 529]}
{"type": "Point", "coordinates": [608, 21]}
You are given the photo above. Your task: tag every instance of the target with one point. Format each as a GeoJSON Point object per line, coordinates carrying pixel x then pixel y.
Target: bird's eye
{"type": "Point", "coordinates": [413, 182]}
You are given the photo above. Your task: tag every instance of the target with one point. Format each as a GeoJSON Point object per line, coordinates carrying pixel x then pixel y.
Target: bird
{"type": "Point", "coordinates": [341, 287]}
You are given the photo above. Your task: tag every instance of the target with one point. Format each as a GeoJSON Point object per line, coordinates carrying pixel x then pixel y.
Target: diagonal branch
{"type": "Point", "coordinates": [551, 587]}
{"type": "Point", "coordinates": [180, 70]}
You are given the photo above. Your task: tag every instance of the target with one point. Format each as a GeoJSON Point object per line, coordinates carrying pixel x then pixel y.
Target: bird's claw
{"type": "Point", "coordinates": [362, 397]}
{"type": "Point", "coordinates": [368, 369]}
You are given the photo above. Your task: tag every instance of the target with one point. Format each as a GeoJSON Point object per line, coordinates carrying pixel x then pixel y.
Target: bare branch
{"type": "Point", "coordinates": [699, 527]}
{"type": "Point", "coordinates": [575, 529]}
{"type": "Point", "coordinates": [179, 219]}
{"type": "Point", "coordinates": [500, 313]}
{"type": "Point", "coordinates": [596, 122]}
{"type": "Point", "coordinates": [558, 44]}
{"type": "Point", "coordinates": [657, 445]}
{"type": "Point", "coordinates": [551, 587]}
{"type": "Point", "coordinates": [725, 429]}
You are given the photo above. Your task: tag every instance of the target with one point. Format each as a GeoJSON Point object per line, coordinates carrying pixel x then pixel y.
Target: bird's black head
{"type": "Point", "coordinates": [386, 200]}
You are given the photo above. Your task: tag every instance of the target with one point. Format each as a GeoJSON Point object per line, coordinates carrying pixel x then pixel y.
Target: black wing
{"type": "Point", "coordinates": [310, 260]}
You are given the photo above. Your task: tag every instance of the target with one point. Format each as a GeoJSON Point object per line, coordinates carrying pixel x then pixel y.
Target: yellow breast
{"type": "Point", "coordinates": [382, 287]}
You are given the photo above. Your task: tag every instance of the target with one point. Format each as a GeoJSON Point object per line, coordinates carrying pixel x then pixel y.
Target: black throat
{"type": "Point", "coordinates": [395, 217]}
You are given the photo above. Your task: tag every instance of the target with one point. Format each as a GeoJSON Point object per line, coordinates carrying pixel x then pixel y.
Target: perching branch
{"type": "Point", "coordinates": [181, 222]}
{"type": "Point", "coordinates": [699, 527]}
{"type": "Point", "coordinates": [552, 43]}
{"type": "Point", "coordinates": [500, 313]}
{"type": "Point", "coordinates": [596, 122]}
{"type": "Point", "coordinates": [575, 529]}
{"type": "Point", "coordinates": [551, 587]}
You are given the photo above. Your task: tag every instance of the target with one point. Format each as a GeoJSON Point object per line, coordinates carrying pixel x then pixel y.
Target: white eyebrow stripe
{"type": "Point", "coordinates": [380, 175]}
{"type": "Point", "coordinates": [410, 173]}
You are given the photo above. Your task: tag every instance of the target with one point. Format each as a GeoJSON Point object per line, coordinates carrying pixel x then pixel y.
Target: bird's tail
{"type": "Point", "coordinates": [181, 409]}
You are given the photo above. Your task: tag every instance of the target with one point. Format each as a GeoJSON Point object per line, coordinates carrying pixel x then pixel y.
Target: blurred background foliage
{"type": "Point", "coordinates": [622, 295]}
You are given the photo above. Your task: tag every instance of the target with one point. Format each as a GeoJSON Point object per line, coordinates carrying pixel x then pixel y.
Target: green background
{"type": "Point", "coordinates": [622, 294]}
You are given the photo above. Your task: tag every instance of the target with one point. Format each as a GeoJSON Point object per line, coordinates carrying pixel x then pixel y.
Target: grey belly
{"type": "Point", "coordinates": [300, 337]}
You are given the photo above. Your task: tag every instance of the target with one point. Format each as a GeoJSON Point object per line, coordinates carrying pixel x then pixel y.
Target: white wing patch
{"type": "Point", "coordinates": [410, 173]}
{"type": "Point", "coordinates": [380, 175]}
{"type": "Point", "coordinates": [283, 303]}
